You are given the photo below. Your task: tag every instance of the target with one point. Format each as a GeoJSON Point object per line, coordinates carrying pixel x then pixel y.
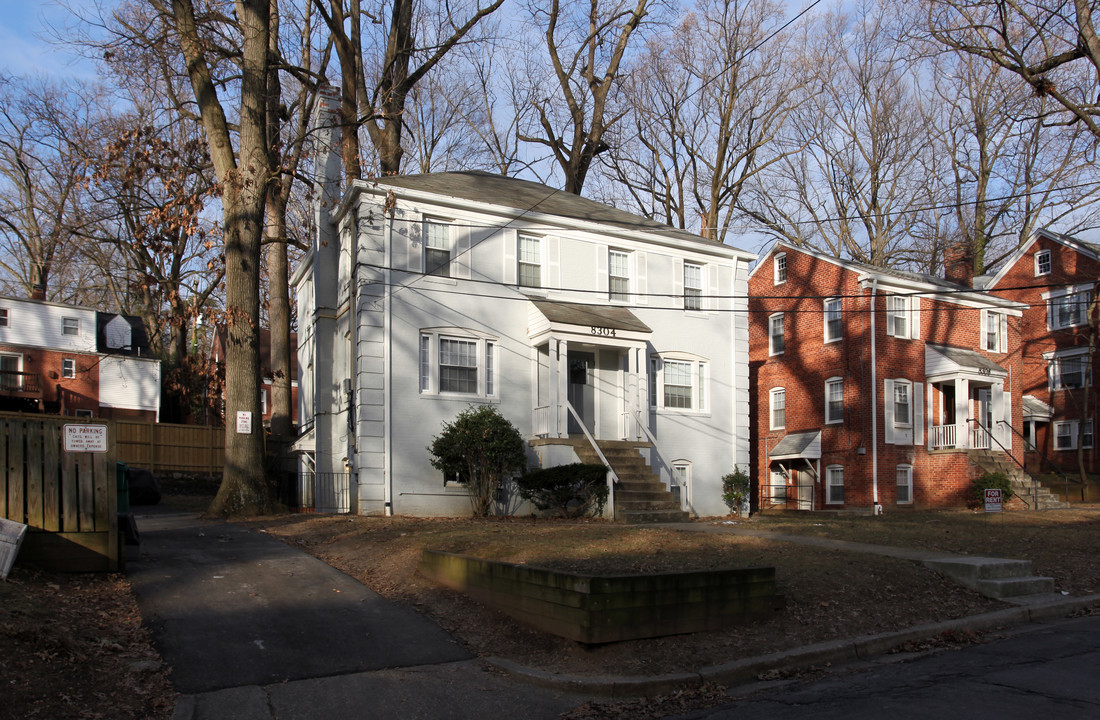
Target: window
{"type": "Point", "coordinates": [833, 320]}
{"type": "Point", "coordinates": [780, 268]}
{"type": "Point", "coordinates": [678, 383]}
{"type": "Point", "coordinates": [693, 286]}
{"type": "Point", "coordinates": [437, 248]}
{"type": "Point", "coordinates": [834, 480]}
{"type": "Point", "coordinates": [905, 484]}
{"type": "Point", "coordinates": [778, 414]}
{"type": "Point", "coordinates": [68, 368]}
{"type": "Point", "coordinates": [3, 317]}
{"type": "Point", "coordinates": [70, 326]}
{"type": "Point", "coordinates": [618, 264]}
{"type": "Point", "coordinates": [779, 487]}
{"type": "Point", "coordinates": [1068, 309]}
{"type": "Point", "coordinates": [903, 408]}
{"type": "Point", "coordinates": [530, 261]}
{"type": "Point", "coordinates": [897, 316]}
{"type": "Point", "coordinates": [1065, 435]}
{"type": "Point", "coordinates": [11, 377]}
{"type": "Point", "coordinates": [834, 400]}
{"type": "Point", "coordinates": [1042, 263]}
{"type": "Point", "coordinates": [776, 342]}
{"type": "Point", "coordinates": [991, 333]}
{"type": "Point", "coordinates": [1069, 370]}
{"type": "Point", "coordinates": [457, 365]}
{"type": "Point", "coordinates": [83, 413]}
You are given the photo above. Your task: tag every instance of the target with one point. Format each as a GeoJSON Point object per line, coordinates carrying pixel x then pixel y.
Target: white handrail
{"type": "Point", "coordinates": [661, 455]}
{"type": "Point", "coordinates": [612, 478]}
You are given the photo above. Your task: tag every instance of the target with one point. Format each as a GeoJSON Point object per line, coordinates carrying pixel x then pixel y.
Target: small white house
{"type": "Point", "coordinates": [425, 294]}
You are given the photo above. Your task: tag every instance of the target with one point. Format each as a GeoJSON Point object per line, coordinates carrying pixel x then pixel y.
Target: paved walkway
{"type": "Point", "coordinates": [254, 629]}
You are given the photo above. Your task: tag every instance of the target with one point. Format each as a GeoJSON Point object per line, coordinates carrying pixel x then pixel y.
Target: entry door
{"type": "Point", "coordinates": [581, 392]}
{"type": "Point", "coordinates": [805, 489]}
{"type": "Point", "coordinates": [983, 413]}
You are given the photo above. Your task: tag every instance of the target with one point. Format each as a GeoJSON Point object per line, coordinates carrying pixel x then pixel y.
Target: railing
{"type": "Point", "coordinates": [612, 478]}
{"type": "Point", "coordinates": [980, 437]}
{"type": "Point", "coordinates": [18, 382]}
{"type": "Point", "coordinates": [661, 455]}
{"type": "Point", "coordinates": [945, 436]}
{"type": "Point", "coordinates": [1034, 483]}
{"type": "Point", "coordinates": [541, 420]}
{"type": "Point", "coordinates": [1042, 456]}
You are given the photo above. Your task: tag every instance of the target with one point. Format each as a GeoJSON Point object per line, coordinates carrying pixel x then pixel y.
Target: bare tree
{"type": "Point", "coordinates": [708, 101]}
{"type": "Point", "coordinates": [1051, 44]}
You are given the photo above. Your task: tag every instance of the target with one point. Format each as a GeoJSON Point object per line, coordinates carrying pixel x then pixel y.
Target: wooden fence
{"type": "Point", "coordinates": [68, 500]}
{"type": "Point", "coordinates": [163, 447]}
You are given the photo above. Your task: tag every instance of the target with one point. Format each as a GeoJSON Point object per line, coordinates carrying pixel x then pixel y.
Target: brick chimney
{"type": "Point", "coordinates": [958, 264]}
{"type": "Point", "coordinates": [38, 291]}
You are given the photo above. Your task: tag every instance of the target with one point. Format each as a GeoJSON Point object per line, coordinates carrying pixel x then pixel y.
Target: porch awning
{"type": "Point", "coordinates": [798, 445]}
{"type": "Point", "coordinates": [614, 317]}
{"type": "Point", "coordinates": [1036, 409]}
{"type": "Point", "coordinates": [306, 442]}
{"type": "Point", "coordinates": [943, 359]}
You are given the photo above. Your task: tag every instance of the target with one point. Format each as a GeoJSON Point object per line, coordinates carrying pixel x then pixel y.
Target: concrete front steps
{"type": "Point", "coordinates": [1023, 485]}
{"type": "Point", "coordinates": [640, 496]}
{"type": "Point", "coordinates": [1000, 578]}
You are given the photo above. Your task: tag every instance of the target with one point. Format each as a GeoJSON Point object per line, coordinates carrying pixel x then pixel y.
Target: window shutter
{"type": "Point", "coordinates": [711, 289]}
{"type": "Point", "coordinates": [412, 229]}
{"type": "Point", "coordinates": [641, 286]}
{"type": "Point", "coordinates": [888, 407]}
{"type": "Point", "coordinates": [601, 268]}
{"type": "Point", "coordinates": [1003, 346]}
{"type": "Point", "coordinates": [997, 398]}
{"type": "Point", "coordinates": [918, 413]}
{"type": "Point", "coordinates": [983, 320]}
{"type": "Point", "coordinates": [1006, 430]}
{"type": "Point", "coordinates": [678, 282]}
{"type": "Point", "coordinates": [553, 262]}
{"type": "Point", "coordinates": [462, 262]}
{"type": "Point", "coordinates": [511, 240]}
{"type": "Point", "coordinates": [914, 316]}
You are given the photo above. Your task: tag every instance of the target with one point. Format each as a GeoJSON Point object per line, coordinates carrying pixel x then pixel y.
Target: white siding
{"type": "Point", "coordinates": [129, 383]}
{"type": "Point", "coordinates": [39, 324]}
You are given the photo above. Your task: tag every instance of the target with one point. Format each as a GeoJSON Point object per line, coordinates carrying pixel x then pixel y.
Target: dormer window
{"type": "Point", "coordinates": [1042, 263]}
{"type": "Point", "coordinates": [780, 268]}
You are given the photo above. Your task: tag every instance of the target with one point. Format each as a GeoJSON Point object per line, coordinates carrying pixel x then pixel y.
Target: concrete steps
{"type": "Point", "coordinates": [1023, 485]}
{"type": "Point", "coordinates": [998, 578]}
{"type": "Point", "coordinates": [640, 496]}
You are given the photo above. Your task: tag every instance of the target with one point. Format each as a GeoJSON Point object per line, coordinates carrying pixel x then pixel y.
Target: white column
{"type": "Point", "coordinates": [630, 394]}
{"type": "Point", "coordinates": [552, 400]}
{"type": "Point", "coordinates": [562, 386]}
{"type": "Point", "coordinates": [962, 412]}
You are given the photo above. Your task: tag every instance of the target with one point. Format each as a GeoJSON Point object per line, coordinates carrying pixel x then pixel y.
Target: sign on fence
{"type": "Point", "coordinates": [85, 438]}
{"type": "Point", "coordinates": [993, 500]}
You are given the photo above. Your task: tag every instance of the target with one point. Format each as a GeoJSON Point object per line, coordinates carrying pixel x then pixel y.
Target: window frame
{"type": "Point", "coordinates": [521, 263]}
{"type": "Point", "coordinates": [70, 326]}
{"type": "Point", "coordinates": [780, 392]}
{"type": "Point", "coordinates": [70, 373]}
{"type": "Point", "coordinates": [613, 295]}
{"type": "Point", "coordinates": [908, 386]}
{"type": "Point", "coordinates": [907, 469]}
{"type": "Point", "coordinates": [779, 268]}
{"type": "Point", "coordinates": [778, 482]}
{"type": "Point", "coordinates": [992, 332]}
{"type": "Point", "coordinates": [831, 474]}
{"type": "Point", "coordinates": [442, 269]}
{"type": "Point", "coordinates": [1056, 362]}
{"type": "Point", "coordinates": [699, 376]}
{"type": "Point", "coordinates": [1039, 260]}
{"type": "Point", "coordinates": [430, 364]}
{"type": "Point", "coordinates": [693, 295]}
{"type": "Point", "coordinates": [827, 321]}
{"type": "Point", "coordinates": [1057, 301]}
{"type": "Point", "coordinates": [3, 317]}
{"type": "Point", "coordinates": [829, 385]}
{"type": "Point", "coordinates": [897, 310]}
{"type": "Point", "coordinates": [782, 344]}
{"type": "Point", "coordinates": [17, 381]}
{"type": "Point", "coordinates": [1087, 440]}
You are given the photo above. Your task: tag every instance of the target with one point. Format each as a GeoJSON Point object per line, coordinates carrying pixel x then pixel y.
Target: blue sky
{"type": "Point", "coordinates": [24, 49]}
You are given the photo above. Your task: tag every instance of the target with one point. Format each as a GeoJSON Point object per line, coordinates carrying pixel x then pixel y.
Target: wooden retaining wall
{"type": "Point", "coordinates": [595, 609]}
{"type": "Point", "coordinates": [67, 500]}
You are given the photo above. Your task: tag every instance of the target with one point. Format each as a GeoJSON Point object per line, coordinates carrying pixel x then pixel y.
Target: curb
{"type": "Point", "coordinates": [832, 651]}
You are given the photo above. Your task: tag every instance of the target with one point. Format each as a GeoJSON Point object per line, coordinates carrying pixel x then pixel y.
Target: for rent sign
{"type": "Point", "coordinates": [85, 438]}
{"type": "Point", "coordinates": [993, 500]}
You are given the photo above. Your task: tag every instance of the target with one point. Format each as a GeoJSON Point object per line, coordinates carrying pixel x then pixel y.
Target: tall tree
{"type": "Point", "coordinates": [587, 43]}
{"type": "Point", "coordinates": [1052, 45]}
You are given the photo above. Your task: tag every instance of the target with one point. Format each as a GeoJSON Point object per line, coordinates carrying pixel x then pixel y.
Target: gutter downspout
{"type": "Point", "coordinates": [387, 402]}
{"type": "Point", "coordinates": [876, 509]}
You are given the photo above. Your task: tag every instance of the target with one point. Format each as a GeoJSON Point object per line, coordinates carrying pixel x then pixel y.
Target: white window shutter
{"type": "Point", "coordinates": [678, 282]}
{"type": "Point", "coordinates": [641, 284]}
{"type": "Point", "coordinates": [888, 407]}
{"type": "Point", "coordinates": [462, 262]}
{"type": "Point", "coordinates": [918, 413]}
{"type": "Point", "coordinates": [914, 331]}
{"type": "Point", "coordinates": [553, 262]}
{"type": "Point", "coordinates": [1006, 428]}
{"type": "Point", "coordinates": [711, 289]}
{"type": "Point", "coordinates": [983, 319]}
{"type": "Point", "coordinates": [997, 399]}
{"type": "Point", "coordinates": [1004, 333]}
{"type": "Point", "coordinates": [412, 227]}
{"type": "Point", "coordinates": [601, 268]}
{"type": "Point", "coordinates": [511, 239]}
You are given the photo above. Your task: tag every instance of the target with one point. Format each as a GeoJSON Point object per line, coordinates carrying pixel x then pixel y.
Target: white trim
{"type": "Point", "coordinates": [779, 267]}
{"type": "Point", "coordinates": [908, 470]}
{"type": "Point", "coordinates": [699, 388]}
{"type": "Point", "coordinates": [771, 408]}
{"type": "Point", "coordinates": [1045, 252]}
{"type": "Point", "coordinates": [830, 472]}
{"type": "Point", "coordinates": [825, 320]}
{"type": "Point", "coordinates": [828, 383]}
{"type": "Point", "coordinates": [782, 334]}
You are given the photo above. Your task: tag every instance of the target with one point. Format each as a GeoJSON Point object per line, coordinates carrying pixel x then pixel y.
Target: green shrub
{"type": "Point", "coordinates": [735, 489]}
{"type": "Point", "coordinates": [572, 490]}
{"type": "Point", "coordinates": [482, 448]}
{"type": "Point", "coordinates": [990, 480]}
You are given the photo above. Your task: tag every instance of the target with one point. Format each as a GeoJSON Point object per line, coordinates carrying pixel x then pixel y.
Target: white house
{"type": "Point", "coordinates": [424, 294]}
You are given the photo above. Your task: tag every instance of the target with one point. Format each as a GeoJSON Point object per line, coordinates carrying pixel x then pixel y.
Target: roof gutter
{"type": "Point", "coordinates": [877, 508]}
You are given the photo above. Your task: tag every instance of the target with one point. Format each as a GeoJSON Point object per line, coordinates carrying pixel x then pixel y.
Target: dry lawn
{"type": "Point", "coordinates": [830, 594]}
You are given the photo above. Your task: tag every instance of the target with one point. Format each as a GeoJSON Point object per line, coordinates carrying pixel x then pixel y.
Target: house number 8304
{"type": "Point", "coordinates": [603, 331]}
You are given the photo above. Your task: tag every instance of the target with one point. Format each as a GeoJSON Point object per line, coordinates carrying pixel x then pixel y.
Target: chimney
{"type": "Point", "coordinates": [38, 291]}
{"type": "Point", "coordinates": [958, 264]}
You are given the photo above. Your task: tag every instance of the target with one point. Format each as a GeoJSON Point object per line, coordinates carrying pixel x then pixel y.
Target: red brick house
{"type": "Point", "coordinates": [267, 375]}
{"type": "Point", "coordinates": [1055, 276]}
{"type": "Point", "coordinates": [68, 360]}
{"type": "Point", "coordinates": [874, 388]}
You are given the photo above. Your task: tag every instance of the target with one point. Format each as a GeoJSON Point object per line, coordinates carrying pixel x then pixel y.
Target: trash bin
{"type": "Point", "coordinates": [127, 527]}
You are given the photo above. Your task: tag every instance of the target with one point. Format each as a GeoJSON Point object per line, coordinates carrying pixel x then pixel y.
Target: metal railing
{"type": "Point", "coordinates": [1042, 457]}
{"type": "Point", "coordinates": [612, 478]}
{"type": "Point", "coordinates": [13, 381]}
{"type": "Point", "coordinates": [1006, 451]}
{"type": "Point", "coordinates": [657, 449]}
{"type": "Point", "coordinates": [980, 437]}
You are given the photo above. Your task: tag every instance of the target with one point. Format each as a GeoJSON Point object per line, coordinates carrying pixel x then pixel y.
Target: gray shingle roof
{"type": "Point", "coordinates": [609, 316]}
{"type": "Point", "coordinates": [798, 445]}
{"type": "Point", "coordinates": [966, 358]}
